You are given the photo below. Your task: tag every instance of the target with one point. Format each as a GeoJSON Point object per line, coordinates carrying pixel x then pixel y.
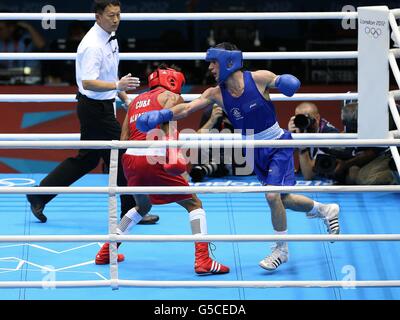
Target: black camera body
{"type": "Point", "coordinates": [199, 172]}
{"type": "Point", "coordinates": [325, 164]}
{"type": "Point", "coordinates": [303, 121]}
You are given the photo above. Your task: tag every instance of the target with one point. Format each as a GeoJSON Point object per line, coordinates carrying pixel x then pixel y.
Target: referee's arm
{"type": "Point", "coordinates": [125, 99]}
{"type": "Point", "coordinates": [98, 85]}
{"type": "Point", "coordinates": [92, 61]}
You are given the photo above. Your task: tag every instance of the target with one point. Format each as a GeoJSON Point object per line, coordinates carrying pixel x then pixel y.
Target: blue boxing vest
{"type": "Point", "coordinates": [251, 111]}
{"type": "Point", "coordinates": [273, 166]}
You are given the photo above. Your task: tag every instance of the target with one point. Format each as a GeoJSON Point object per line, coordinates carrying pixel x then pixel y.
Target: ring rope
{"type": "Point", "coordinates": [395, 12]}
{"type": "Point", "coordinates": [182, 136]}
{"type": "Point", "coordinates": [396, 52]}
{"type": "Point", "coordinates": [186, 16]}
{"type": "Point", "coordinates": [396, 157]}
{"type": "Point", "coordinates": [202, 284]}
{"type": "Point", "coordinates": [395, 68]}
{"type": "Point", "coordinates": [197, 189]}
{"type": "Point", "coordinates": [192, 238]}
{"type": "Point", "coordinates": [185, 55]}
{"type": "Point", "coordinates": [393, 53]}
{"type": "Point", "coordinates": [393, 110]}
{"type": "Point", "coordinates": [395, 27]}
{"type": "Point", "coordinates": [117, 144]}
{"type": "Point", "coordinates": [186, 97]}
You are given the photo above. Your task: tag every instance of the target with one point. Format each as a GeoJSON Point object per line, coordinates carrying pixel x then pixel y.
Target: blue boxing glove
{"type": "Point", "coordinates": [152, 119]}
{"type": "Point", "coordinates": [287, 84]}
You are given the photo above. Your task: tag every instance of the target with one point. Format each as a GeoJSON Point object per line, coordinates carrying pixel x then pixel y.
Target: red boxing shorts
{"type": "Point", "coordinates": [139, 172]}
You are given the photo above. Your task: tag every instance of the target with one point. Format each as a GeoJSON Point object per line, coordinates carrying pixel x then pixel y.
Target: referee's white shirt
{"type": "Point", "coordinates": [97, 59]}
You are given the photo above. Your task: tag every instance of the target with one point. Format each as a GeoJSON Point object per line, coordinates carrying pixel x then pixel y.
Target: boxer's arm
{"type": "Point", "coordinates": [169, 99]}
{"type": "Point", "coordinates": [125, 99]}
{"type": "Point", "coordinates": [182, 110]}
{"type": "Point", "coordinates": [151, 119]}
{"type": "Point", "coordinates": [285, 83]}
{"type": "Point", "coordinates": [264, 79]}
{"type": "Point", "coordinates": [125, 128]}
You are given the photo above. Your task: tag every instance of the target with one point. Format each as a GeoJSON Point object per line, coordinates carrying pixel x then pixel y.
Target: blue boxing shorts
{"type": "Point", "coordinates": [275, 166]}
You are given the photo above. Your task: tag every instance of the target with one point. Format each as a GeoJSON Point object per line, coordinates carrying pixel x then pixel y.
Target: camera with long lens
{"type": "Point", "coordinates": [303, 121]}
{"type": "Point", "coordinates": [199, 172]}
{"type": "Point", "coordinates": [325, 164]}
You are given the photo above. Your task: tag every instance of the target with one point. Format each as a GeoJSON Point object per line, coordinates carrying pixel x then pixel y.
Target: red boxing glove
{"type": "Point", "coordinates": [176, 163]}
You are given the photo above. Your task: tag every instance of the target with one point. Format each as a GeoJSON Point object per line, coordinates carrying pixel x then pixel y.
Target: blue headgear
{"type": "Point", "coordinates": [229, 61]}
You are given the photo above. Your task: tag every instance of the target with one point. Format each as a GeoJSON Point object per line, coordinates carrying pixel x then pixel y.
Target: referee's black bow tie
{"type": "Point", "coordinates": [114, 37]}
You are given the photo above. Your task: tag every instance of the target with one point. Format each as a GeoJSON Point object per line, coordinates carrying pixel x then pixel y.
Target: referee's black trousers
{"type": "Point", "coordinates": [98, 122]}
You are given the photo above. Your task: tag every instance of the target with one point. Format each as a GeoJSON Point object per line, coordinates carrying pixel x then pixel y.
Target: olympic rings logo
{"type": "Point", "coordinates": [16, 182]}
{"type": "Point", "coordinates": [375, 32]}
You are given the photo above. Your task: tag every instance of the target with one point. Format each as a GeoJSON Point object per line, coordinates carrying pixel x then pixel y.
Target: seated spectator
{"type": "Point", "coordinates": [63, 72]}
{"type": "Point", "coordinates": [20, 37]}
{"type": "Point", "coordinates": [307, 119]}
{"type": "Point", "coordinates": [366, 166]}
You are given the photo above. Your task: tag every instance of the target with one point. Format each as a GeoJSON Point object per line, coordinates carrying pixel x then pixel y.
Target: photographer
{"type": "Point", "coordinates": [313, 161]}
{"type": "Point", "coordinates": [213, 118]}
{"type": "Point", "coordinates": [366, 166]}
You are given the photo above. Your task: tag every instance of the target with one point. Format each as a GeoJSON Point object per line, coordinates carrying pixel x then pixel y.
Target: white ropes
{"type": "Point", "coordinates": [99, 144]}
{"type": "Point", "coordinates": [115, 282]}
{"type": "Point", "coordinates": [197, 189]}
{"type": "Point", "coordinates": [393, 53]}
{"type": "Point", "coordinates": [200, 284]}
{"type": "Point", "coordinates": [182, 136]}
{"type": "Point", "coordinates": [395, 28]}
{"type": "Point", "coordinates": [192, 238]}
{"type": "Point", "coordinates": [40, 136]}
{"type": "Point", "coordinates": [393, 110]}
{"type": "Point", "coordinates": [396, 52]}
{"type": "Point", "coordinates": [186, 97]}
{"type": "Point", "coordinates": [203, 16]}
{"type": "Point", "coordinates": [395, 12]}
{"type": "Point", "coordinates": [185, 55]}
{"type": "Point", "coordinates": [395, 68]}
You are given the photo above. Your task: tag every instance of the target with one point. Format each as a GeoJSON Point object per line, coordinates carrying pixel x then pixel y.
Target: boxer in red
{"type": "Point", "coordinates": [141, 170]}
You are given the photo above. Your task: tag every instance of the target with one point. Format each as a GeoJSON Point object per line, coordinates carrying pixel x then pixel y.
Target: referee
{"type": "Point", "coordinates": [97, 79]}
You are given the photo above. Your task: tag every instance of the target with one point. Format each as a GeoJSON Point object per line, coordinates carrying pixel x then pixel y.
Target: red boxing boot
{"type": "Point", "coordinates": [103, 256]}
{"type": "Point", "coordinates": [204, 264]}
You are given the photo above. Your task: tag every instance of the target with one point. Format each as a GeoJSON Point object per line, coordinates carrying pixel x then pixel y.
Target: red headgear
{"type": "Point", "coordinates": [170, 79]}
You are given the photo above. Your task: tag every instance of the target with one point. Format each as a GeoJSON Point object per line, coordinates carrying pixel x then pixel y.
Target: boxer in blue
{"type": "Point", "coordinates": [244, 96]}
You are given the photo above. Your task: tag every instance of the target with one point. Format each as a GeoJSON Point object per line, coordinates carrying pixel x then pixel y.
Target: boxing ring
{"type": "Point", "coordinates": [252, 242]}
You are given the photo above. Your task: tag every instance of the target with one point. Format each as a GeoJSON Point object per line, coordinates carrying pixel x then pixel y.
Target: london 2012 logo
{"type": "Point", "coordinates": [16, 182]}
{"type": "Point", "coordinates": [373, 32]}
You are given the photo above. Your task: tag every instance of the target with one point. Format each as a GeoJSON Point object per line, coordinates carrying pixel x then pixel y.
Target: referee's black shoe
{"type": "Point", "coordinates": [149, 219]}
{"type": "Point", "coordinates": [37, 207]}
